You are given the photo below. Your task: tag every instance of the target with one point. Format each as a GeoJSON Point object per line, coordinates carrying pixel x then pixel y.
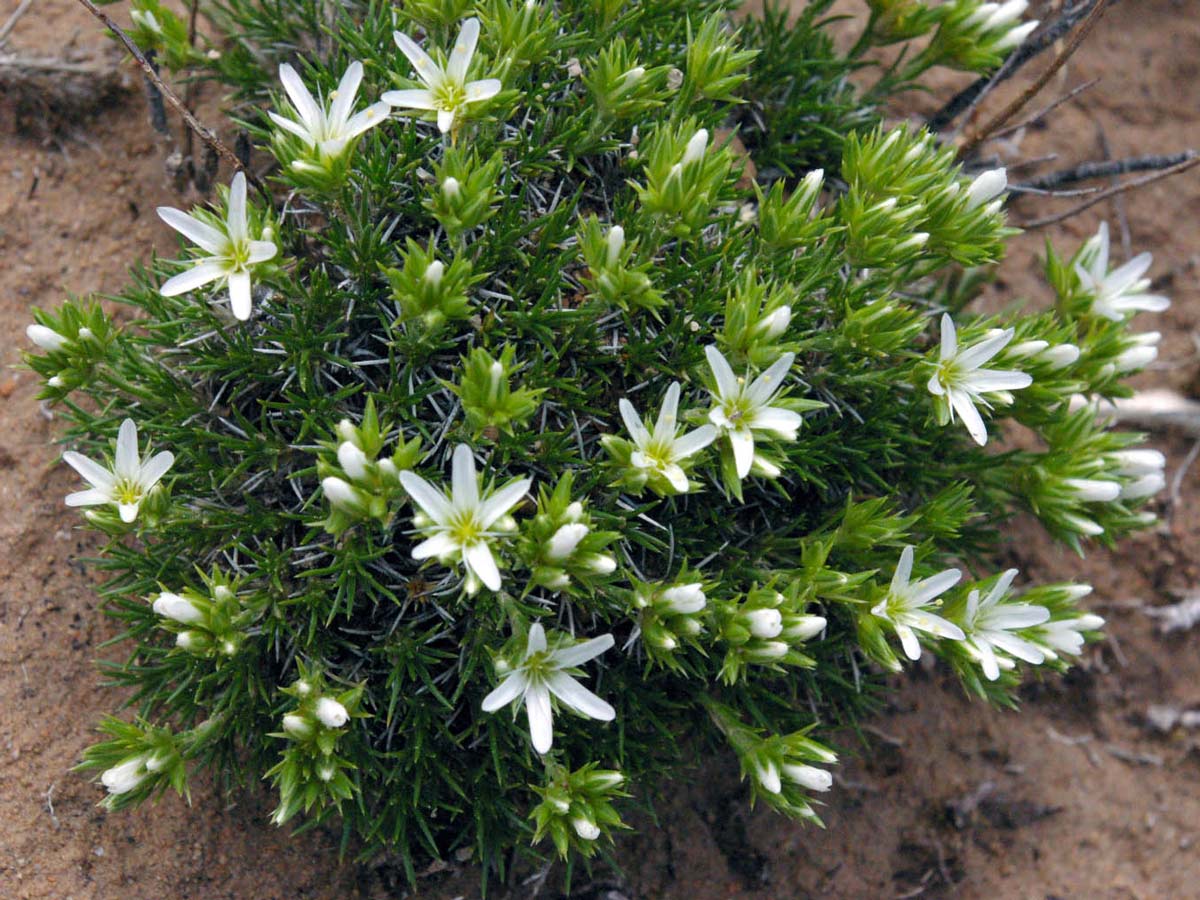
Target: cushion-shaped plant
{"type": "Point", "coordinates": [524, 445]}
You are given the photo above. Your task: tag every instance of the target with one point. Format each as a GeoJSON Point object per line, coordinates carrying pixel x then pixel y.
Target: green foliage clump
{"type": "Point", "coordinates": [538, 388]}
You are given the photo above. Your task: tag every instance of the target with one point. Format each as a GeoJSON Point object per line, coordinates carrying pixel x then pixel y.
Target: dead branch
{"type": "Point", "coordinates": [979, 135]}
{"type": "Point", "coordinates": [1181, 616]}
{"type": "Point", "coordinates": [11, 23]}
{"type": "Point", "coordinates": [205, 134]}
{"type": "Point", "coordinates": [1110, 193]}
{"type": "Point", "coordinates": [1089, 170]}
{"type": "Point", "coordinates": [1046, 110]}
{"type": "Point", "coordinates": [966, 100]}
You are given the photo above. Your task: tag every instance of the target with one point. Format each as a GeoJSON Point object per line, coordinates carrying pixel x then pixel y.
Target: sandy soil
{"type": "Point", "coordinates": [1073, 797]}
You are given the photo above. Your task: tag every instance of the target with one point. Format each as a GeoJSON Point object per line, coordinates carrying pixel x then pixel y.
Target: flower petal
{"type": "Point", "coordinates": [577, 655]}
{"type": "Point", "coordinates": [783, 422]}
{"type": "Point", "coordinates": [579, 698]}
{"type": "Point", "coordinates": [464, 486]}
{"type": "Point", "coordinates": [260, 251]}
{"type": "Point", "coordinates": [975, 356]}
{"type": "Point", "coordinates": [445, 120]}
{"type": "Point", "coordinates": [427, 70]}
{"type": "Point", "coordinates": [668, 416]}
{"type": "Point", "coordinates": [241, 297]}
{"type": "Point", "coordinates": [155, 468]}
{"type": "Point", "coordinates": [908, 640]}
{"type": "Point", "coordinates": [935, 625]}
{"type": "Point", "coordinates": [439, 545]}
{"type": "Point", "coordinates": [502, 501]}
{"type": "Point", "coordinates": [903, 572]}
{"type": "Point", "coordinates": [91, 497]}
{"type": "Point", "coordinates": [128, 462]}
{"type": "Point", "coordinates": [930, 588]}
{"type": "Point", "coordinates": [347, 93]}
{"type": "Point", "coordinates": [200, 274]}
{"type": "Point", "coordinates": [535, 642]}
{"type": "Point", "coordinates": [742, 443]}
{"type": "Point", "coordinates": [464, 50]}
{"type": "Point", "coordinates": [412, 98]}
{"type": "Point", "coordinates": [199, 233]}
{"type": "Point", "coordinates": [293, 127]}
{"type": "Point", "coordinates": [484, 89]}
{"type": "Point", "coordinates": [965, 407]}
{"type": "Point", "coordinates": [235, 215]}
{"type": "Point", "coordinates": [767, 385]}
{"type": "Point", "coordinates": [93, 473]}
{"type": "Point", "coordinates": [478, 558]}
{"type": "Point", "coordinates": [431, 501]}
{"type": "Point", "coordinates": [633, 423]}
{"type": "Point", "coordinates": [368, 118]}
{"type": "Point", "coordinates": [982, 380]}
{"type": "Point", "coordinates": [541, 723]}
{"type": "Point", "coordinates": [694, 441]}
{"type": "Point", "coordinates": [128, 511]}
{"type": "Point", "coordinates": [506, 692]}
{"type": "Point", "coordinates": [727, 383]}
{"type": "Point", "coordinates": [949, 347]}
{"type": "Point", "coordinates": [302, 100]}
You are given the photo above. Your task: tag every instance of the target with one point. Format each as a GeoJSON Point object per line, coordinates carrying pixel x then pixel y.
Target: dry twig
{"type": "Point", "coordinates": [1089, 170]}
{"type": "Point", "coordinates": [1110, 193]}
{"type": "Point", "coordinates": [204, 133]}
{"type": "Point", "coordinates": [979, 135]}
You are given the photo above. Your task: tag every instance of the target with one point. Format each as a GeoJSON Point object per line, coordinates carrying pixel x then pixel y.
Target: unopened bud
{"type": "Point", "coordinates": [352, 460]}
{"type": "Point", "coordinates": [694, 151]}
{"type": "Point", "coordinates": [764, 623]}
{"type": "Point", "coordinates": [987, 187]}
{"type": "Point", "coordinates": [46, 338]}
{"type": "Point", "coordinates": [124, 777]}
{"type": "Point", "coordinates": [451, 188]}
{"type": "Point", "coordinates": [616, 243]}
{"type": "Point", "coordinates": [684, 599]}
{"type": "Point", "coordinates": [809, 777]}
{"type": "Point", "coordinates": [565, 540]}
{"type": "Point", "coordinates": [585, 828]}
{"type": "Point", "coordinates": [340, 494]}
{"type": "Point", "coordinates": [179, 609]}
{"type": "Point", "coordinates": [297, 726]}
{"type": "Point", "coordinates": [331, 713]}
{"type": "Point", "coordinates": [434, 272]}
{"type": "Point", "coordinates": [1092, 490]}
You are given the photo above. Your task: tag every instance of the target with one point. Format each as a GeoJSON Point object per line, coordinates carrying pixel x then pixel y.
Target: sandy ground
{"type": "Point", "coordinates": [1072, 798]}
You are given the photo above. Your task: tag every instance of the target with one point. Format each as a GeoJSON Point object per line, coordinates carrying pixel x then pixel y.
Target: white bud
{"type": "Point", "coordinates": [46, 338]}
{"type": "Point", "coordinates": [764, 623]}
{"type": "Point", "coordinates": [340, 494]}
{"type": "Point", "coordinates": [920, 239]}
{"type": "Point", "coordinates": [1026, 348]}
{"type": "Point", "coordinates": [804, 627]}
{"type": "Point", "coordinates": [586, 829]}
{"type": "Point", "coordinates": [434, 272]}
{"type": "Point", "coordinates": [326, 772]}
{"type": "Point", "coordinates": [1077, 591]}
{"type": "Point", "coordinates": [1091, 490]}
{"type": "Point", "coordinates": [124, 777]}
{"type": "Point", "coordinates": [331, 713]}
{"type": "Point", "coordinates": [601, 564]}
{"type": "Point", "coordinates": [1089, 622]}
{"type": "Point", "coordinates": [1146, 486]}
{"type": "Point", "coordinates": [55, 381]}
{"type": "Point", "coordinates": [85, 333]}
{"type": "Point", "coordinates": [574, 512]}
{"type": "Point", "coordinates": [1083, 525]}
{"type": "Point", "coordinates": [303, 688]}
{"type": "Point", "coordinates": [1061, 355]}
{"type": "Point", "coordinates": [387, 468]}
{"type": "Point", "coordinates": [222, 594]}
{"type": "Point", "coordinates": [179, 609]}
{"type": "Point", "coordinates": [1016, 37]}
{"type": "Point", "coordinates": [769, 651]}
{"type": "Point", "coordinates": [157, 763]}
{"type": "Point", "coordinates": [694, 151]}
{"type": "Point", "coordinates": [768, 778]}
{"type": "Point", "coordinates": [352, 460]}
{"type": "Point", "coordinates": [1136, 358]}
{"type": "Point", "coordinates": [564, 541]}
{"type": "Point", "coordinates": [775, 324]}
{"type": "Point", "coordinates": [189, 640]}
{"type": "Point", "coordinates": [616, 243]}
{"type": "Point", "coordinates": [684, 599]}
{"type": "Point", "coordinates": [346, 431]}
{"type": "Point", "coordinates": [297, 726]}
{"type": "Point", "coordinates": [633, 76]}
{"type": "Point", "coordinates": [450, 187]}
{"type": "Point", "coordinates": [809, 777]}
{"type": "Point", "coordinates": [987, 187]}
{"type": "Point", "coordinates": [1138, 462]}
{"type": "Point", "coordinates": [764, 467]}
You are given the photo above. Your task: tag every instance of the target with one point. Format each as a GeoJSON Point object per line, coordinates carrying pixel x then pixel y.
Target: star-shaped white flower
{"type": "Point", "coordinates": [447, 91]}
{"type": "Point", "coordinates": [231, 252]}
{"type": "Point", "coordinates": [543, 673]}
{"type": "Point", "coordinates": [963, 383]}
{"type": "Point", "coordinates": [1064, 637]}
{"type": "Point", "coordinates": [662, 449]}
{"type": "Point", "coordinates": [906, 605]}
{"type": "Point", "coordinates": [989, 625]}
{"type": "Point", "coordinates": [1118, 293]}
{"type": "Point", "coordinates": [741, 408]}
{"type": "Point", "coordinates": [127, 483]}
{"type": "Point", "coordinates": [462, 524]}
{"type": "Point", "coordinates": [328, 130]}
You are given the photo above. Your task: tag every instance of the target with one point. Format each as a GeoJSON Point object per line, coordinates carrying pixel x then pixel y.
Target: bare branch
{"type": "Point", "coordinates": [979, 135]}
{"type": "Point", "coordinates": [1045, 111]}
{"type": "Point", "coordinates": [1111, 192]}
{"type": "Point", "coordinates": [205, 134]}
{"type": "Point", "coordinates": [1089, 170]}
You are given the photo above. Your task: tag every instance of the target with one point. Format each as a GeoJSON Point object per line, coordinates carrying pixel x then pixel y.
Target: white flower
{"type": "Point", "coordinates": [564, 541]}
{"type": "Point", "coordinates": [989, 624]}
{"type": "Point", "coordinates": [905, 605]}
{"type": "Point", "coordinates": [124, 777]}
{"type": "Point", "coordinates": [963, 383]}
{"type": "Point", "coordinates": [331, 713]}
{"type": "Point", "coordinates": [987, 187]}
{"type": "Point", "coordinates": [1144, 467]}
{"type": "Point", "coordinates": [46, 338]}
{"type": "Point", "coordinates": [1064, 636]}
{"type": "Point", "coordinates": [542, 673]}
{"type": "Point", "coordinates": [127, 483]}
{"type": "Point", "coordinates": [231, 252]}
{"type": "Point", "coordinates": [764, 623]}
{"type": "Point", "coordinates": [1120, 292]}
{"type": "Point", "coordinates": [178, 609]}
{"type": "Point", "coordinates": [331, 130]}
{"type": "Point", "coordinates": [662, 450]}
{"type": "Point", "coordinates": [808, 777]}
{"type": "Point", "coordinates": [446, 91]}
{"type": "Point", "coordinates": [741, 408]}
{"type": "Point", "coordinates": [459, 525]}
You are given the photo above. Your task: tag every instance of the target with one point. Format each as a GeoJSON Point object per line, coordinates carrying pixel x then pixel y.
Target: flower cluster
{"type": "Point", "coordinates": [548, 436]}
